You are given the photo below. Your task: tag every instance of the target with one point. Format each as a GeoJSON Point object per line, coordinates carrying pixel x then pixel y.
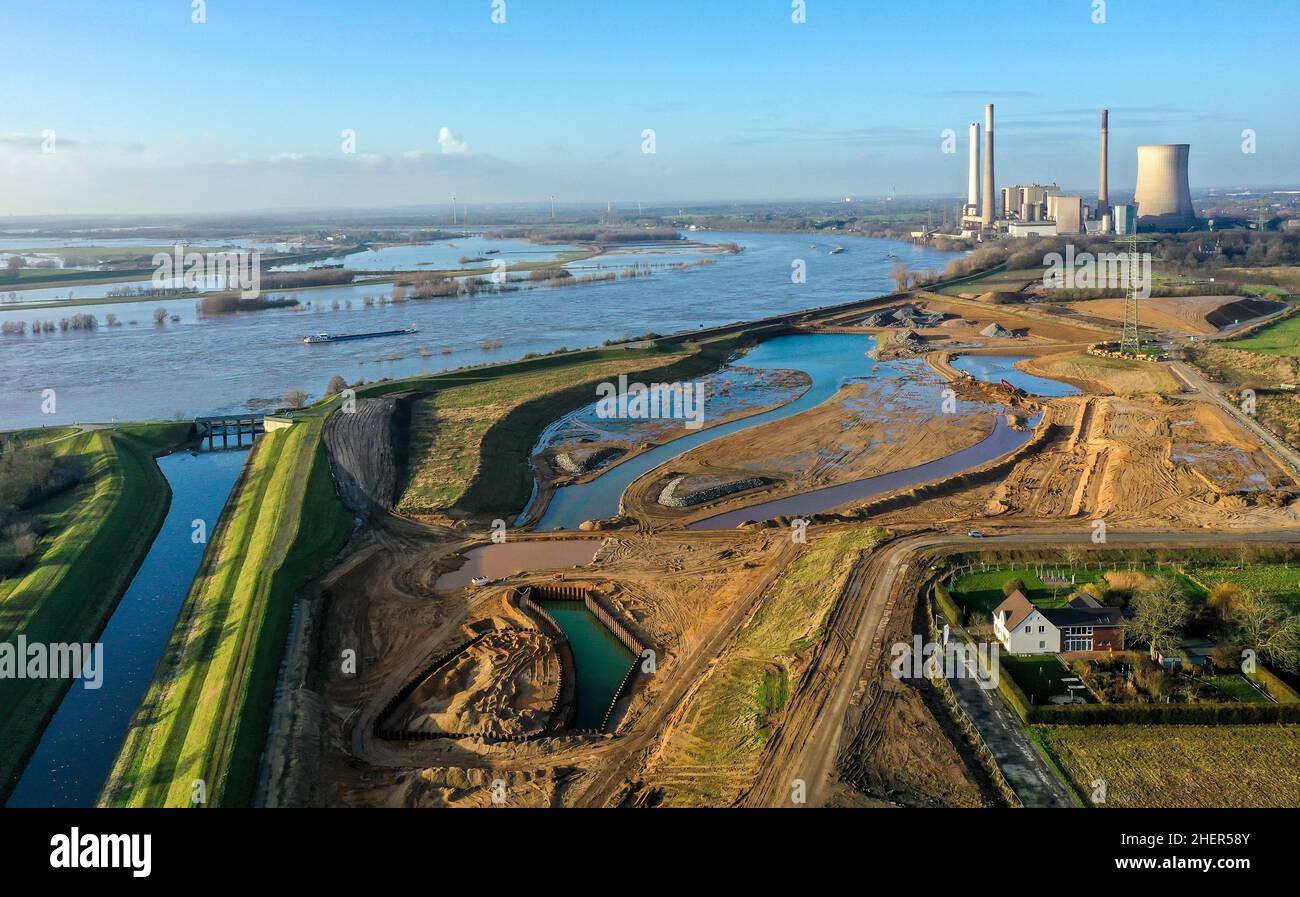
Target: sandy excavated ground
{"type": "Point", "coordinates": [870, 427]}
{"type": "Point", "coordinates": [1138, 463]}
{"type": "Point", "coordinates": [1186, 314]}
{"type": "Point", "coordinates": [1145, 461]}
{"type": "Point", "coordinates": [503, 685]}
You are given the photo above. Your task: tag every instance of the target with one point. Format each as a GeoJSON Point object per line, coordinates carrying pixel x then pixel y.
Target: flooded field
{"type": "Point", "coordinates": [992, 368]}
{"type": "Point", "coordinates": [828, 359]}
{"type": "Point", "coordinates": [249, 361]}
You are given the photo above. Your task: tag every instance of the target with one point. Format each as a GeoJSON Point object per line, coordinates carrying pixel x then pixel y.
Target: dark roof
{"type": "Point", "coordinates": [1082, 616]}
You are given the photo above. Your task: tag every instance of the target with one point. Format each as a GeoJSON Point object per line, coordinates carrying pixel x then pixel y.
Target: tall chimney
{"type": "Point", "coordinates": [973, 181]}
{"type": "Point", "coordinates": [1103, 191]}
{"type": "Point", "coordinates": [989, 190]}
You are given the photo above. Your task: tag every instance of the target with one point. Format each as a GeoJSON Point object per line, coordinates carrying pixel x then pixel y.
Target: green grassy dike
{"type": "Point", "coordinates": [96, 536]}
{"type": "Point", "coordinates": [205, 715]}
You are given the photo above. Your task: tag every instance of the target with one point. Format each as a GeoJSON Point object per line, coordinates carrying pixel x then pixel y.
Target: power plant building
{"type": "Point", "coordinates": [1162, 201]}
{"type": "Point", "coordinates": [1163, 197]}
{"type": "Point", "coordinates": [1125, 216]}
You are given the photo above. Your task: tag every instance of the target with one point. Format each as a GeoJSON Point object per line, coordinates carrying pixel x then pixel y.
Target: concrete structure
{"type": "Point", "coordinates": [1068, 213]}
{"type": "Point", "coordinates": [1125, 217]}
{"type": "Point", "coordinates": [973, 177]}
{"type": "Point", "coordinates": [1103, 186]}
{"type": "Point", "coordinates": [1031, 228]}
{"type": "Point", "coordinates": [1163, 197]}
{"type": "Point", "coordinates": [1083, 625]}
{"type": "Point", "coordinates": [990, 190]}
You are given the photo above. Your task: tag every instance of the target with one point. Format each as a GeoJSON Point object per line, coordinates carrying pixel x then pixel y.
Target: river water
{"type": "Point", "coordinates": [77, 750]}
{"type": "Point", "coordinates": [601, 660]}
{"type": "Point", "coordinates": [249, 361]}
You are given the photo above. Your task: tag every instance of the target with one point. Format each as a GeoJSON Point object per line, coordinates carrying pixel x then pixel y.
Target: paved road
{"type": "Point", "coordinates": [1034, 781]}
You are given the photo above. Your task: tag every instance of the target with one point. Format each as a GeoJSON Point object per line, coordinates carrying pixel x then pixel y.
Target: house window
{"type": "Point", "coordinates": [1042, 645]}
{"type": "Point", "coordinates": [1028, 629]}
{"type": "Point", "coordinates": [1042, 628]}
{"type": "Point", "coordinates": [1078, 643]}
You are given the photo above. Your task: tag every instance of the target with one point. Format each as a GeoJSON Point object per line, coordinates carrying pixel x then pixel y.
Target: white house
{"type": "Point", "coordinates": [1022, 628]}
{"type": "Point", "coordinates": [1084, 625]}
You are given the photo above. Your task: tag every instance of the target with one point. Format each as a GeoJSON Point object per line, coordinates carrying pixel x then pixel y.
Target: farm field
{"type": "Point", "coordinates": [95, 536]}
{"type": "Point", "coordinates": [1180, 766]}
{"type": "Point", "coordinates": [204, 715]}
{"type": "Point", "coordinates": [1279, 580]}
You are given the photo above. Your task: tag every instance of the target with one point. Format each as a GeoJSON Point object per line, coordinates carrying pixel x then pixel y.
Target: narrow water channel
{"type": "Point", "coordinates": [77, 751]}
{"type": "Point", "coordinates": [1002, 440]}
{"type": "Point", "coordinates": [601, 660]}
{"type": "Point", "coordinates": [828, 359]}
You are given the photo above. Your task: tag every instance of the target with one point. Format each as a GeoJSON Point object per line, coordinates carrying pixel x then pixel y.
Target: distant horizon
{"type": "Point", "coordinates": [268, 107]}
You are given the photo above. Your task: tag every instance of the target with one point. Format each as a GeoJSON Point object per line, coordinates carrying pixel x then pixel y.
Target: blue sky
{"type": "Point", "coordinates": [152, 112]}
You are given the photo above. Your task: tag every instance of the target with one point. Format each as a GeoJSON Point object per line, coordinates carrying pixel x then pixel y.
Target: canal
{"type": "Point", "coordinates": [77, 750]}
{"type": "Point", "coordinates": [601, 660]}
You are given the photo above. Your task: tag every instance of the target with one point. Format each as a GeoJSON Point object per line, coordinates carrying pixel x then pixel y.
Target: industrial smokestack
{"type": "Point", "coordinates": [1103, 190]}
{"type": "Point", "coordinates": [973, 181]}
{"type": "Point", "coordinates": [989, 191]}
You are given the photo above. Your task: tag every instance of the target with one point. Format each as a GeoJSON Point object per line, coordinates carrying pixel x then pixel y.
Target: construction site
{"type": "Point", "coordinates": [715, 631]}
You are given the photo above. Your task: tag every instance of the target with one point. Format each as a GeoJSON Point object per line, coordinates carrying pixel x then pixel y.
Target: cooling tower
{"type": "Point", "coordinates": [1163, 199]}
{"type": "Point", "coordinates": [1103, 188]}
{"type": "Point", "coordinates": [986, 214]}
{"type": "Point", "coordinates": [973, 181]}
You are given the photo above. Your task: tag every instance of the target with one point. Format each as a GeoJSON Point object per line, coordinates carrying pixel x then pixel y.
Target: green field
{"type": "Point", "coordinates": [1279, 338]}
{"type": "Point", "coordinates": [981, 592]}
{"type": "Point", "coordinates": [205, 715]}
{"type": "Point", "coordinates": [95, 536]}
{"type": "Point", "coordinates": [1275, 580]}
{"type": "Point", "coordinates": [1235, 687]}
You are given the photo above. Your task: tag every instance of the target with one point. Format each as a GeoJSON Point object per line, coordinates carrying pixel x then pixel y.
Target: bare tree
{"type": "Point", "coordinates": [1160, 611]}
{"type": "Point", "coordinates": [1267, 626]}
{"type": "Point", "coordinates": [337, 384]}
{"type": "Point", "coordinates": [900, 275]}
{"type": "Point", "coordinates": [295, 398]}
{"type": "Point", "coordinates": [159, 316]}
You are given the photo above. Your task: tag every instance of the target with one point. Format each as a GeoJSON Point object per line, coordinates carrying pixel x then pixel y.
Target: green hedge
{"type": "Point", "coordinates": [1217, 714]}
{"type": "Point", "coordinates": [947, 606]}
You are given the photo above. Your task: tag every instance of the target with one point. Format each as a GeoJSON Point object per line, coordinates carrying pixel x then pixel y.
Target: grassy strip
{"type": "Point", "coordinates": [204, 717]}
{"type": "Point", "coordinates": [1281, 337]}
{"type": "Point", "coordinates": [739, 704]}
{"type": "Point", "coordinates": [97, 534]}
{"type": "Point", "coordinates": [499, 413]}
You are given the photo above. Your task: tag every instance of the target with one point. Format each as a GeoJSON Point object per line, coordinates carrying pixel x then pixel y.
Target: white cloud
{"type": "Point", "coordinates": [287, 157]}
{"type": "Point", "coordinates": [451, 143]}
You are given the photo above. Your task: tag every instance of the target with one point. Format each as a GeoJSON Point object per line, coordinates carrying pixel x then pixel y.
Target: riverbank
{"type": "Point", "coordinates": [96, 536]}
{"type": "Point", "coordinates": [205, 715]}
